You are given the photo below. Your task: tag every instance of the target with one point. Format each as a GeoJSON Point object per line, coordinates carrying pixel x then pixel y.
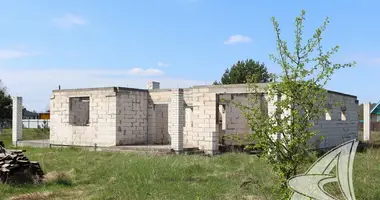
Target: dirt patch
{"type": "Point", "coordinates": [33, 196]}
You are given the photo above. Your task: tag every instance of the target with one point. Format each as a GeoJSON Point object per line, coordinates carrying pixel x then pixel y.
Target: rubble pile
{"type": "Point", "coordinates": [16, 168]}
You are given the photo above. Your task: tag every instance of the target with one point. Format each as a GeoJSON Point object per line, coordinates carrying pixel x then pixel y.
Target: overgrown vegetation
{"type": "Point", "coordinates": [299, 98]}
{"type": "Point", "coordinates": [73, 173]}
{"type": "Point", "coordinates": [28, 134]}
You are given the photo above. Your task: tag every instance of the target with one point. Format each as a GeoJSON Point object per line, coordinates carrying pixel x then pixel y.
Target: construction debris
{"type": "Point", "coordinates": [16, 168]}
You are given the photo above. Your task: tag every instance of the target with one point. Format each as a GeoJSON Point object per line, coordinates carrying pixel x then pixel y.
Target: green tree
{"type": "Point", "coordinates": [5, 103]}
{"type": "Point", "coordinates": [299, 98]}
{"type": "Point", "coordinates": [241, 70]}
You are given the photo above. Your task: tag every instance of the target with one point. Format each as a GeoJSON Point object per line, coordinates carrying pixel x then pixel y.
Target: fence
{"type": "Point", "coordinates": [35, 123]}
{"type": "Point", "coordinates": [375, 126]}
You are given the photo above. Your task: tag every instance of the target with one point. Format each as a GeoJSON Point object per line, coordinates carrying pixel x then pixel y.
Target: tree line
{"type": "Point", "coordinates": [5, 103]}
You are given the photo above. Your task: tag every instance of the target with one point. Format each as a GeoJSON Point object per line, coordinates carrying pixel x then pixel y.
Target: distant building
{"type": "Point", "coordinates": [29, 115]}
{"type": "Point", "coordinates": [375, 113]}
{"type": "Point", "coordinates": [45, 115]}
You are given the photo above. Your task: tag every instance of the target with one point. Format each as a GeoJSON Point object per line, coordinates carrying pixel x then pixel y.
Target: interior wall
{"type": "Point", "coordinates": [162, 132]}
{"type": "Point", "coordinates": [132, 117]}
{"type": "Point", "coordinates": [233, 123]}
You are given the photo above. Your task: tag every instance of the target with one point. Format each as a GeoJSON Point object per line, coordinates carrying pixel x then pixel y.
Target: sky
{"type": "Point", "coordinates": [179, 43]}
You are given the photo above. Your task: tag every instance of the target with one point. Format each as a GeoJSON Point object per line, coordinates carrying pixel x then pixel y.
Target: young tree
{"type": "Point", "coordinates": [240, 71]}
{"type": "Point", "coordinates": [299, 98]}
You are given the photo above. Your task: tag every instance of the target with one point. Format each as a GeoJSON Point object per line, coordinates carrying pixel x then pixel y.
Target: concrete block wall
{"type": "Point", "coordinates": [188, 133]}
{"type": "Point", "coordinates": [162, 119]}
{"type": "Point", "coordinates": [342, 126]}
{"type": "Point", "coordinates": [177, 116]}
{"type": "Point", "coordinates": [206, 109]}
{"type": "Point", "coordinates": [158, 116]}
{"type": "Point", "coordinates": [233, 121]}
{"type": "Point", "coordinates": [101, 129]}
{"type": "Point", "coordinates": [271, 99]}
{"type": "Point", "coordinates": [191, 128]}
{"type": "Point", "coordinates": [120, 116]}
{"type": "Point", "coordinates": [132, 117]}
{"type": "Point", "coordinates": [205, 121]}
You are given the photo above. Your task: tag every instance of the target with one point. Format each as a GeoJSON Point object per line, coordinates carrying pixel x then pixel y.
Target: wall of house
{"type": "Point", "coordinates": [375, 118]}
{"type": "Point", "coordinates": [203, 127]}
{"type": "Point", "coordinates": [162, 132]}
{"type": "Point", "coordinates": [100, 130]}
{"type": "Point", "coordinates": [337, 126]}
{"type": "Point", "coordinates": [132, 117]}
{"type": "Point", "coordinates": [158, 116]}
{"type": "Point", "coordinates": [342, 126]}
{"type": "Point", "coordinates": [122, 116]}
{"type": "Point", "coordinates": [233, 126]}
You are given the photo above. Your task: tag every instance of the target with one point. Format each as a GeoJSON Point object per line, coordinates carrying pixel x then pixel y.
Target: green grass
{"type": "Point", "coordinates": [28, 134]}
{"type": "Point", "coordinates": [374, 137]}
{"type": "Point", "coordinates": [106, 175]}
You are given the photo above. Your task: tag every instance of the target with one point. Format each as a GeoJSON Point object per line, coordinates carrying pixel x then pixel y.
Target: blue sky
{"type": "Point", "coordinates": [181, 43]}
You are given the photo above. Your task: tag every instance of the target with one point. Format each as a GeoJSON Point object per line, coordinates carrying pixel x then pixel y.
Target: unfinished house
{"type": "Point", "coordinates": [198, 117]}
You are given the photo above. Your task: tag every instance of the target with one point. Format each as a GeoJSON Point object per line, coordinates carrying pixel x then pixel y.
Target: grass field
{"type": "Point", "coordinates": [28, 134]}
{"type": "Point", "coordinates": [80, 174]}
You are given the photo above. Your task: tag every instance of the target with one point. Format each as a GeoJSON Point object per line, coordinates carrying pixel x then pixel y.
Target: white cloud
{"type": "Point", "coordinates": [36, 91]}
{"type": "Point", "coordinates": [69, 21]}
{"type": "Point", "coordinates": [145, 72]}
{"type": "Point", "coordinates": [162, 64]}
{"type": "Point", "coordinates": [234, 39]}
{"type": "Point", "coordinates": [12, 54]}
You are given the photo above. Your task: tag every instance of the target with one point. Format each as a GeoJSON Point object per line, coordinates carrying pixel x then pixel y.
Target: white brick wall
{"type": "Point", "coordinates": [102, 127]}
{"type": "Point", "coordinates": [205, 127]}
{"type": "Point", "coordinates": [176, 122]}
{"type": "Point", "coordinates": [158, 116]}
{"type": "Point", "coordinates": [132, 117]}
{"type": "Point", "coordinates": [182, 117]}
{"type": "Point", "coordinates": [336, 130]}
